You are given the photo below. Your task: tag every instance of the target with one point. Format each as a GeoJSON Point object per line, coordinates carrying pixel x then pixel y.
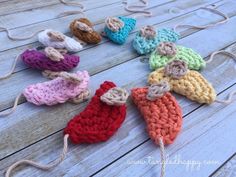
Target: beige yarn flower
{"type": "Point", "coordinates": [115, 96]}
{"type": "Point", "coordinates": [53, 54]}
{"type": "Point", "coordinates": [157, 90]}
{"type": "Point", "coordinates": [114, 23]}
{"type": "Point", "coordinates": [176, 69]}
{"type": "Point", "coordinates": [148, 32]}
{"type": "Point", "coordinates": [56, 36]}
{"type": "Point", "coordinates": [167, 49]}
{"type": "Point", "coordinates": [83, 27]}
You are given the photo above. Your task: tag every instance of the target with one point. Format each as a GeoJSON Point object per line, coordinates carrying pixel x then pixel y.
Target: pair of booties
{"type": "Point", "coordinates": [117, 29]}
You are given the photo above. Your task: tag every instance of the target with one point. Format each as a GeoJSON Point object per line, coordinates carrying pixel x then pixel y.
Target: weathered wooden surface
{"type": "Point", "coordinates": [36, 132]}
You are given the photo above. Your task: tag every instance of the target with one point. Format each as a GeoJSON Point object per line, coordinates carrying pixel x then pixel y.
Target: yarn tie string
{"type": "Point", "coordinates": [137, 8]}
{"type": "Point", "coordinates": [17, 38]}
{"type": "Point", "coordinates": [39, 165]}
{"type": "Point", "coordinates": [233, 56]}
{"type": "Point", "coordinates": [226, 19]}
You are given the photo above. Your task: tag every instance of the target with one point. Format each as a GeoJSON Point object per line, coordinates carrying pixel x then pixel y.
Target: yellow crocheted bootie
{"type": "Point", "coordinates": [185, 82]}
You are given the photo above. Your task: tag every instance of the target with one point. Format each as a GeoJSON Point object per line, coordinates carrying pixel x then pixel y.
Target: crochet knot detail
{"type": "Point", "coordinates": [114, 23]}
{"type": "Point", "coordinates": [39, 60]}
{"type": "Point", "coordinates": [157, 90]}
{"type": "Point", "coordinates": [81, 97]}
{"type": "Point", "coordinates": [56, 36]}
{"type": "Point", "coordinates": [148, 32]}
{"type": "Point", "coordinates": [82, 28]}
{"type": "Point", "coordinates": [123, 31]}
{"type": "Point", "coordinates": [98, 121]}
{"type": "Point", "coordinates": [176, 69]}
{"type": "Point", "coordinates": [53, 54]}
{"type": "Point", "coordinates": [163, 116]}
{"type": "Point", "coordinates": [115, 96]}
{"type": "Point", "coordinates": [56, 39]}
{"type": "Point", "coordinates": [167, 49]}
{"type": "Point", "coordinates": [67, 76]}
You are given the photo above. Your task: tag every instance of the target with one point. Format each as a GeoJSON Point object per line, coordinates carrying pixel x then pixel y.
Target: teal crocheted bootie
{"type": "Point", "coordinates": [147, 39]}
{"type": "Point", "coordinates": [168, 51]}
{"type": "Point", "coordinates": [118, 29]}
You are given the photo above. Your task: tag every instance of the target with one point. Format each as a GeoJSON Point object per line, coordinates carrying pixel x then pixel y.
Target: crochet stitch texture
{"type": "Point", "coordinates": [67, 43]}
{"type": "Point", "coordinates": [163, 115]}
{"type": "Point", "coordinates": [192, 85]}
{"type": "Point", "coordinates": [58, 90]}
{"type": "Point", "coordinates": [98, 122]}
{"type": "Point", "coordinates": [144, 46]}
{"type": "Point", "coordinates": [193, 59]}
{"type": "Point", "coordinates": [120, 36]}
{"type": "Point", "coordinates": [38, 60]}
{"type": "Point", "coordinates": [89, 37]}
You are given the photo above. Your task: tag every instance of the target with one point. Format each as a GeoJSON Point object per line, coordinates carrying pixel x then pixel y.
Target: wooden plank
{"type": "Point", "coordinates": [9, 55]}
{"type": "Point", "coordinates": [34, 75]}
{"type": "Point", "coordinates": [46, 13]}
{"type": "Point", "coordinates": [203, 141]}
{"type": "Point", "coordinates": [228, 169]}
{"type": "Point", "coordinates": [81, 158]}
{"type": "Point", "coordinates": [116, 55]}
{"type": "Point", "coordinates": [14, 6]}
{"type": "Point", "coordinates": [61, 24]}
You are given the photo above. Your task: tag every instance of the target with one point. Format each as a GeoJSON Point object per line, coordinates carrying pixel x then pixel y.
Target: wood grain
{"type": "Point", "coordinates": [35, 132]}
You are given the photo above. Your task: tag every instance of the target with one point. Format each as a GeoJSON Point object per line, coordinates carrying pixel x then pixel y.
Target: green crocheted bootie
{"type": "Point", "coordinates": [168, 51]}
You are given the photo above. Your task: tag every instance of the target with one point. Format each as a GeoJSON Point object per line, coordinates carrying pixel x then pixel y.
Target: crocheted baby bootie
{"type": "Point", "coordinates": [161, 111]}
{"type": "Point", "coordinates": [56, 39]}
{"type": "Point", "coordinates": [186, 82]}
{"type": "Point", "coordinates": [118, 29]}
{"type": "Point", "coordinates": [147, 39]}
{"type": "Point", "coordinates": [168, 51]}
{"type": "Point", "coordinates": [50, 59]}
{"type": "Point", "coordinates": [101, 118]}
{"type": "Point", "coordinates": [83, 29]}
{"type": "Point", "coordinates": [64, 87]}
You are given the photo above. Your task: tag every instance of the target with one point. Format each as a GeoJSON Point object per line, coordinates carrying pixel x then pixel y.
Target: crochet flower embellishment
{"type": "Point", "coordinates": [167, 49]}
{"type": "Point", "coordinates": [53, 54]}
{"type": "Point", "coordinates": [114, 23]}
{"type": "Point", "coordinates": [157, 90]}
{"type": "Point", "coordinates": [148, 32]}
{"type": "Point", "coordinates": [56, 36]}
{"type": "Point", "coordinates": [115, 96]}
{"type": "Point", "coordinates": [83, 27]}
{"type": "Point", "coordinates": [176, 69]}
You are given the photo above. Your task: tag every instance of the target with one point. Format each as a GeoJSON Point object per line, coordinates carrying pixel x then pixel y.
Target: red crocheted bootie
{"type": "Point", "coordinates": [101, 118]}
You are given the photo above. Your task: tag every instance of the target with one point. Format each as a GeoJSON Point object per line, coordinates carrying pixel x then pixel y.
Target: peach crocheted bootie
{"type": "Point", "coordinates": [160, 110]}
